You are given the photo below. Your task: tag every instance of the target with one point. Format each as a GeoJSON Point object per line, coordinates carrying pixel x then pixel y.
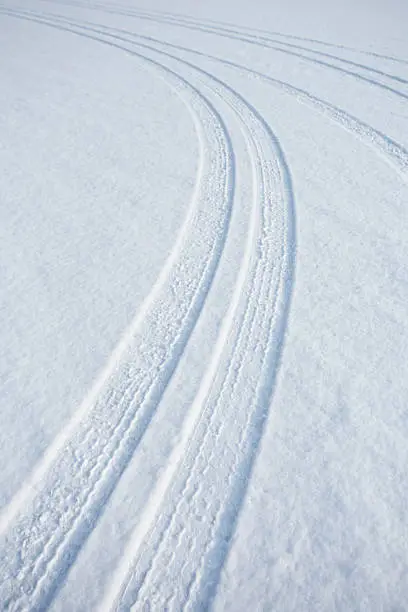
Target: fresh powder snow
{"type": "Point", "coordinates": [204, 305]}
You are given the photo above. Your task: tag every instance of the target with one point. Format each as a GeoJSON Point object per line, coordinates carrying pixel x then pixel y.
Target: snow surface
{"type": "Point", "coordinates": [204, 305]}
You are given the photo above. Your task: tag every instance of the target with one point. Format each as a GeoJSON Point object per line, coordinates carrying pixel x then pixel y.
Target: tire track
{"type": "Point", "coordinates": [236, 34]}
{"type": "Point", "coordinates": [200, 588]}
{"type": "Point", "coordinates": [391, 151]}
{"type": "Point", "coordinates": [152, 581]}
{"type": "Point", "coordinates": [257, 31]}
{"type": "Point", "coordinates": [43, 540]}
{"type": "Point", "coordinates": [229, 409]}
{"type": "Point", "coordinates": [114, 8]}
{"type": "Point", "coordinates": [195, 487]}
{"type": "Point", "coordinates": [267, 241]}
{"type": "Point", "coordinates": [258, 37]}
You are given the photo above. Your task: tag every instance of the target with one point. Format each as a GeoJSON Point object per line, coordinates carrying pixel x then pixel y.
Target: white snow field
{"type": "Point", "coordinates": [204, 305]}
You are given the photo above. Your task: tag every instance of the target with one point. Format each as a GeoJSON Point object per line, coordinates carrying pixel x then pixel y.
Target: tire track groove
{"type": "Point", "coordinates": [233, 33]}
{"type": "Point", "coordinates": [51, 530]}
{"type": "Point", "coordinates": [392, 152]}
{"type": "Point", "coordinates": [183, 499]}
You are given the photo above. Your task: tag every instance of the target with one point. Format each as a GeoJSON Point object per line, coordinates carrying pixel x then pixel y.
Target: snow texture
{"type": "Point", "coordinates": [203, 305]}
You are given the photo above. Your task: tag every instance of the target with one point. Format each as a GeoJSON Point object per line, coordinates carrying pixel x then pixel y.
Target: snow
{"type": "Point", "coordinates": [204, 305]}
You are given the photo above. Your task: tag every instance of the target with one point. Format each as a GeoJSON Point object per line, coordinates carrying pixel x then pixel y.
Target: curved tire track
{"type": "Point", "coordinates": [233, 33]}
{"type": "Point", "coordinates": [391, 151]}
{"type": "Point", "coordinates": [154, 577]}
{"type": "Point", "coordinates": [289, 49]}
{"type": "Point", "coordinates": [230, 407]}
{"type": "Point", "coordinates": [262, 279]}
{"type": "Point", "coordinates": [198, 465]}
{"type": "Point", "coordinates": [259, 37]}
{"type": "Point", "coordinates": [42, 540]}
